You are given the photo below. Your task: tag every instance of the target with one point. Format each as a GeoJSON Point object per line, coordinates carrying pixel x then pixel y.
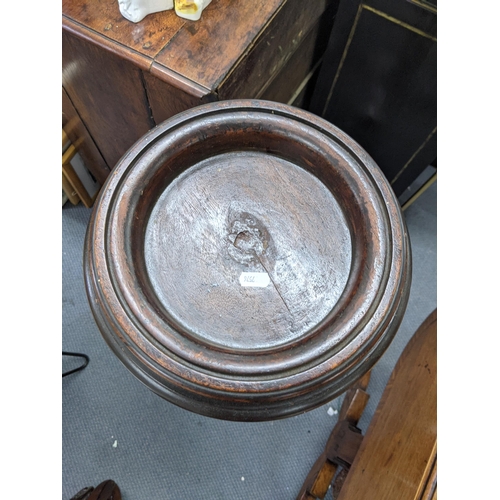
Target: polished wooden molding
{"type": "Point", "coordinates": [236, 191]}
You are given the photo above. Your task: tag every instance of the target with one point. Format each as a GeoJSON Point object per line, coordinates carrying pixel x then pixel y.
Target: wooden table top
{"type": "Point", "coordinates": [250, 257]}
{"type": "Point", "coordinates": [174, 49]}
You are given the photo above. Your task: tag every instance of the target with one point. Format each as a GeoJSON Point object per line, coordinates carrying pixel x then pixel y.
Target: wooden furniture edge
{"type": "Point", "coordinates": [428, 482]}
{"type": "Point", "coordinates": [76, 29]}
{"type": "Point", "coordinates": [181, 82]}
{"type": "Point", "coordinates": [143, 62]}
{"type": "Point", "coordinates": [250, 47]}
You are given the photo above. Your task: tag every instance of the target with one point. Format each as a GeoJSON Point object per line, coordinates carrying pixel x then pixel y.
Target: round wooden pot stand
{"type": "Point", "coordinates": [247, 260]}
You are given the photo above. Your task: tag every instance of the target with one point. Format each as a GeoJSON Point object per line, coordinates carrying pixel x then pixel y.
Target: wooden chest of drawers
{"type": "Point", "coordinates": [120, 79]}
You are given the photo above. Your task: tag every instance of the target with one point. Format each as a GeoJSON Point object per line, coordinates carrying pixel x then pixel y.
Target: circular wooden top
{"type": "Point", "coordinates": [222, 255]}
{"type": "Point", "coordinates": [247, 260]}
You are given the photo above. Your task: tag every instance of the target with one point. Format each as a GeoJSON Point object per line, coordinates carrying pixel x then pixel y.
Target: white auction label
{"type": "Point", "coordinates": [254, 279]}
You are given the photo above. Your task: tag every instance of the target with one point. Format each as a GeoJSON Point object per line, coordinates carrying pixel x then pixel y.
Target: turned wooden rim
{"type": "Point", "coordinates": [234, 383]}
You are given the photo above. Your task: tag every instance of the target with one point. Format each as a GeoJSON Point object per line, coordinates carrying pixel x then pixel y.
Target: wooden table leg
{"type": "Point", "coordinates": [342, 443]}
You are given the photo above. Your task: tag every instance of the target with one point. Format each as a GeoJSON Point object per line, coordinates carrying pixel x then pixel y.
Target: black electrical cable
{"type": "Point", "coordinates": [78, 355]}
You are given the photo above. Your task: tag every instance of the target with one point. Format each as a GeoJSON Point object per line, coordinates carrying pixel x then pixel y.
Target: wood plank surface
{"type": "Point", "coordinates": [204, 51]}
{"type": "Point", "coordinates": [200, 51]}
{"type": "Point", "coordinates": [166, 100]}
{"type": "Point", "coordinates": [284, 84]}
{"type": "Point", "coordinates": [103, 17]}
{"type": "Point", "coordinates": [70, 191]}
{"type": "Point", "coordinates": [109, 95]}
{"type": "Point", "coordinates": [73, 179]}
{"type": "Point", "coordinates": [270, 52]}
{"type": "Point", "coordinates": [78, 134]}
{"type": "Point", "coordinates": [398, 455]}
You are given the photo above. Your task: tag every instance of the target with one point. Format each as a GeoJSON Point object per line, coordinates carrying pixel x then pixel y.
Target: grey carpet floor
{"type": "Point", "coordinates": [113, 427]}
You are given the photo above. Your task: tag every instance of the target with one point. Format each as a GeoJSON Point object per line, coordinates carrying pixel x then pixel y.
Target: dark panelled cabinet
{"type": "Point", "coordinates": [378, 83]}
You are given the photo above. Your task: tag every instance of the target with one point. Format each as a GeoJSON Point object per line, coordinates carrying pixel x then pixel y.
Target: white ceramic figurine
{"type": "Point", "coordinates": [190, 9]}
{"type": "Point", "coordinates": [137, 10]}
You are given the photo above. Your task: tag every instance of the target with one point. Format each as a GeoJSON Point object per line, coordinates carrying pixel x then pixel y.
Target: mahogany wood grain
{"type": "Point", "coordinates": [205, 52]}
{"type": "Point", "coordinates": [79, 136]}
{"type": "Point", "coordinates": [226, 30]}
{"type": "Point", "coordinates": [166, 100]}
{"type": "Point", "coordinates": [124, 78]}
{"type": "Point", "coordinates": [284, 83]}
{"type": "Point", "coordinates": [237, 187]}
{"type": "Point", "coordinates": [109, 95]}
{"type": "Point", "coordinates": [285, 32]}
{"type": "Point", "coordinates": [103, 18]}
{"type": "Point", "coordinates": [397, 458]}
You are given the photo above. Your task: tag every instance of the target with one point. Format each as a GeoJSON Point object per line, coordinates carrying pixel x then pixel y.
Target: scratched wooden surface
{"type": "Point", "coordinates": [124, 78]}
{"type": "Point", "coordinates": [115, 115]}
{"type": "Point", "coordinates": [271, 51]}
{"type": "Point", "coordinates": [231, 25]}
{"type": "Point", "coordinates": [166, 100]}
{"type": "Point", "coordinates": [398, 458]}
{"type": "Point", "coordinates": [247, 186]}
{"type": "Point", "coordinates": [103, 17]}
{"type": "Point", "coordinates": [300, 63]}
{"type": "Point", "coordinates": [185, 47]}
{"type": "Point", "coordinates": [245, 212]}
{"type": "Point", "coordinates": [81, 139]}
